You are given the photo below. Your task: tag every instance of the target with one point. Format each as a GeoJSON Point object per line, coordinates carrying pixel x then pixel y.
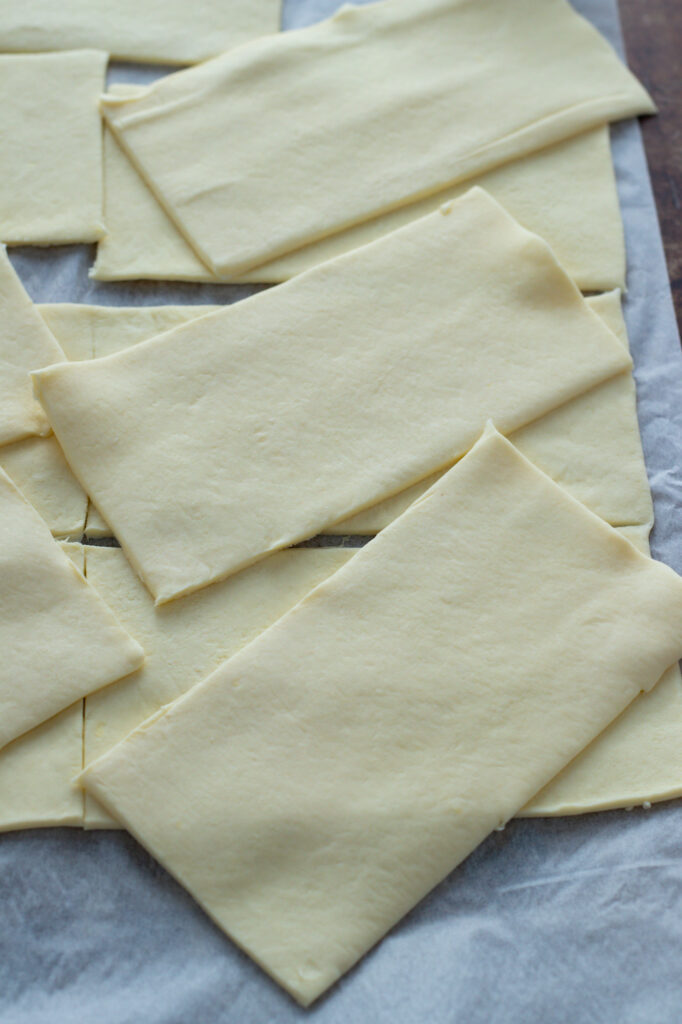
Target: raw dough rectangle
{"type": "Point", "coordinates": [38, 468]}
{"type": "Point", "coordinates": [150, 31]}
{"type": "Point", "coordinates": [37, 465]}
{"type": "Point", "coordinates": [59, 641]}
{"type": "Point", "coordinates": [51, 153]}
{"type": "Point", "coordinates": [379, 106]}
{"type": "Point", "coordinates": [25, 345]}
{"type": "Point", "coordinates": [37, 770]}
{"type": "Point", "coordinates": [254, 428]}
{"type": "Point", "coordinates": [185, 641]}
{"type": "Point", "coordinates": [565, 193]}
{"type": "Point", "coordinates": [637, 760]}
{"type": "Point", "coordinates": [308, 794]}
{"type": "Point", "coordinates": [591, 446]}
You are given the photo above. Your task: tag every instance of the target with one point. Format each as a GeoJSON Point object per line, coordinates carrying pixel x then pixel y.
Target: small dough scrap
{"type": "Point", "coordinates": [591, 446]}
{"type": "Point", "coordinates": [185, 641]}
{"type": "Point", "coordinates": [355, 117]}
{"type": "Point", "coordinates": [51, 153]}
{"type": "Point", "coordinates": [637, 760]}
{"type": "Point", "coordinates": [37, 770]}
{"type": "Point", "coordinates": [147, 31]}
{"type": "Point", "coordinates": [59, 640]}
{"type": "Point", "coordinates": [38, 468]}
{"type": "Point", "coordinates": [565, 193]}
{"type": "Point", "coordinates": [25, 345]}
{"type": "Point", "coordinates": [254, 428]}
{"type": "Point", "coordinates": [309, 794]}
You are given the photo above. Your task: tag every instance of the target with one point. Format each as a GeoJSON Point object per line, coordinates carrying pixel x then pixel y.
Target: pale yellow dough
{"type": "Point", "coordinates": [38, 468]}
{"type": "Point", "coordinates": [256, 427]}
{"type": "Point", "coordinates": [59, 640]}
{"type": "Point", "coordinates": [565, 193]}
{"type": "Point", "coordinates": [37, 465]}
{"type": "Point", "coordinates": [356, 114]}
{"type": "Point", "coordinates": [150, 31]}
{"type": "Point", "coordinates": [591, 446]}
{"type": "Point", "coordinates": [37, 770]}
{"type": "Point", "coordinates": [51, 153]}
{"type": "Point", "coordinates": [86, 332]}
{"type": "Point", "coordinates": [25, 345]}
{"type": "Point", "coordinates": [185, 641]}
{"type": "Point", "coordinates": [310, 792]}
{"type": "Point", "coordinates": [637, 760]}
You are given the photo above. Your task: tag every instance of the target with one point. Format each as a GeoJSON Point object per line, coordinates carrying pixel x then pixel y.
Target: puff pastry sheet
{"type": "Point", "coordinates": [37, 465]}
{"type": "Point", "coordinates": [591, 446]}
{"type": "Point", "coordinates": [59, 640]}
{"type": "Point", "coordinates": [309, 794]}
{"type": "Point", "coordinates": [356, 115]}
{"type": "Point", "coordinates": [253, 428]}
{"type": "Point", "coordinates": [637, 760]}
{"type": "Point", "coordinates": [565, 193]}
{"type": "Point", "coordinates": [25, 345]}
{"type": "Point", "coordinates": [151, 31]}
{"type": "Point", "coordinates": [186, 640]}
{"type": "Point", "coordinates": [37, 770]}
{"type": "Point", "coordinates": [51, 153]}
{"type": "Point", "coordinates": [88, 332]}
{"type": "Point", "coordinates": [39, 469]}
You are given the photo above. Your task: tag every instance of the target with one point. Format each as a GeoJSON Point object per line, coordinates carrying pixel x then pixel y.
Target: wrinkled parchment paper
{"type": "Point", "coordinates": [564, 921]}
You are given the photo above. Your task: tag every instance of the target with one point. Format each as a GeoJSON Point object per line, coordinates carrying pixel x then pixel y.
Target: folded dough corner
{"type": "Point", "coordinates": [25, 344]}
{"type": "Point", "coordinates": [59, 640]}
{"type": "Point", "coordinates": [376, 107]}
{"type": "Point", "coordinates": [254, 428]}
{"type": "Point", "coordinates": [309, 794]}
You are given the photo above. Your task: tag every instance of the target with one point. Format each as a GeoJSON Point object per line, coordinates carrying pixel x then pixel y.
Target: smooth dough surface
{"type": "Point", "coordinates": [637, 760]}
{"type": "Point", "coordinates": [37, 770]}
{"type": "Point", "coordinates": [254, 428]}
{"type": "Point", "coordinates": [25, 344]}
{"type": "Point", "coordinates": [51, 153]}
{"type": "Point", "coordinates": [38, 468]}
{"type": "Point", "coordinates": [309, 794]}
{"type": "Point", "coordinates": [59, 640]}
{"type": "Point", "coordinates": [150, 31]}
{"type": "Point", "coordinates": [565, 193]}
{"type": "Point", "coordinates": [87, 332]}
{"type": "Point", "coordinates": [591, 446]}
{"type": "Point", "coordinates": [356, 115]}
{"type": "Point", "coordinates": [185, 641]}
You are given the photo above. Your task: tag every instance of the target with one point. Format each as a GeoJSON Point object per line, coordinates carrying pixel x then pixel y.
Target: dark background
{"type": "Point", "coordinates": [653, 38]}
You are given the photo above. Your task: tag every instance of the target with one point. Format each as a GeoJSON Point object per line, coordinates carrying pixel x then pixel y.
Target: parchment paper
{"type": "Point", "coordinates": [564, 921]}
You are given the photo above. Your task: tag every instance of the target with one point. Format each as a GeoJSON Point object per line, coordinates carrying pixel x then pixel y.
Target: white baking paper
{"type": "Point", "coordinates": [567, 921]}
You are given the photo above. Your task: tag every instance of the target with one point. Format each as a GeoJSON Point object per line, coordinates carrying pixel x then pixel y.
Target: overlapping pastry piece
{"type": "Point", "coordinates": [637, 760]}
{"type": "Point", "coordinates": [372, 109]}
{"type": "Point", "coordinates": [591, 446]}
{"type": "Point", "coordinates": [256, 427]}
{"type": "Point", "coordinates": [37, 464]}
{"type": "Point", "coordinates": [155, 31]}
{"type": "Point", "coordinates": [186, 640]}
{"type": "Point", "coordinates": [59, 640]}
{"type": "Point", "coordinates": [25, 344]}
{"type": "Point", "coordinates": [38, 770]}
{"type": "Point", "coordinates": [324, 779]}
{"type": "Point", "coordinates": [566, 193]}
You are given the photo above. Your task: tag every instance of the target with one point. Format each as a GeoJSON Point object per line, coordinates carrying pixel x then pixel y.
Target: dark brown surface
{"type": "Point", "coordinates": [653, 38]}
